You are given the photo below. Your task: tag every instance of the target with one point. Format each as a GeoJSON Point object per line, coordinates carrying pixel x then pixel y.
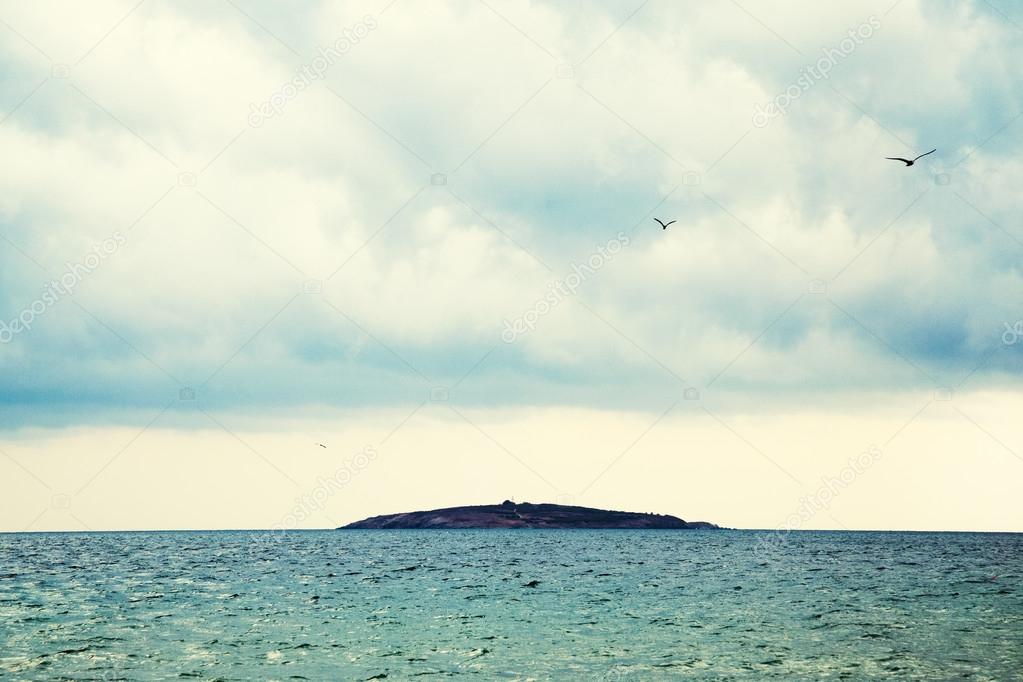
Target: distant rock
{"type": "Point", "coordinates": [510, 514]}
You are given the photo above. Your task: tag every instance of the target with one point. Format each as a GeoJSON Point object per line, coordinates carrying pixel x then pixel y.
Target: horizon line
{"type": "Point", "coordinates": [527, 529]}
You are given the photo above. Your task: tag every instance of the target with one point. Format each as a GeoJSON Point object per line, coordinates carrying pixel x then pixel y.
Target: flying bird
{"type": "Point", "coordinates": [664, 226]}
{"type": "Point", "coordinates": [907, 161]}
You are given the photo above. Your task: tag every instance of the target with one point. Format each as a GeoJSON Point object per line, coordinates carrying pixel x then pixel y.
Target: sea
{"type": "Point", "coordinates": [511, 605]}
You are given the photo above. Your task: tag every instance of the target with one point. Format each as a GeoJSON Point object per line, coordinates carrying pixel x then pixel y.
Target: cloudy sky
{"type": "Point", "coordinates": [423, 236]}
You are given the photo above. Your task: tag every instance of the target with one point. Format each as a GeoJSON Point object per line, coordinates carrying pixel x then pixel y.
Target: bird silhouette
{"type": "Point", "coordinates": [664, 226]}
{"type": "Point", "coordinates": [909, 162]}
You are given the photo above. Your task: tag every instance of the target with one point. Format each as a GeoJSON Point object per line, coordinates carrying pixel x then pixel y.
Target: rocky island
{"type": "Point", "coordinates": [510, 514]}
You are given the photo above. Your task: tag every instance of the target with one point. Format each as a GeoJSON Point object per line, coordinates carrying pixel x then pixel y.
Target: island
{"type": "Point", "coordinates": [510, 514]}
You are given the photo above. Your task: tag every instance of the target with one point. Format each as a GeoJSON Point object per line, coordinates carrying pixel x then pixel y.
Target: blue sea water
{"type": "Point", "coordinates": [605, 605]}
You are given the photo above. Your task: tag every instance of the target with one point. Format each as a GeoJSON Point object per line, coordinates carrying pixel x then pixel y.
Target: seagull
{"type": "Point", "coordinates": [664, 226]}
{"type": "Point", "coordinates": [907, 161]}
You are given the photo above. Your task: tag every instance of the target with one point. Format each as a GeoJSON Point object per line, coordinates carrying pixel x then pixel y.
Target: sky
{"type": "Point", "coordinates": [423, 236]}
